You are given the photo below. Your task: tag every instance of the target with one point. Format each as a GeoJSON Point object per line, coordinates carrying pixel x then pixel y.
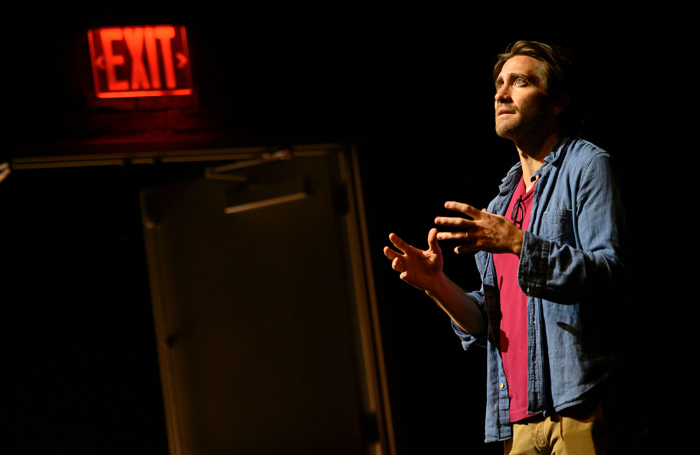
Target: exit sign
{"type": "Point", "coordinates": [140, 61]}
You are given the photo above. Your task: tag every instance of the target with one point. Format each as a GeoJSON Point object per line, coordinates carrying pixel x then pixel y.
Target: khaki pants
{"type": "Point", "coordinates": [579, 430]}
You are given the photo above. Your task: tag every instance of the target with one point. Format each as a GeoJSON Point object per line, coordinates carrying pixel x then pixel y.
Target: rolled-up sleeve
{"type": "Point", "coordinates": [468, 340]}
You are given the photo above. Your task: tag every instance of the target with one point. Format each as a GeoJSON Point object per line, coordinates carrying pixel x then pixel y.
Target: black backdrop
{"type": "Point", "coordinates": [412, 91]}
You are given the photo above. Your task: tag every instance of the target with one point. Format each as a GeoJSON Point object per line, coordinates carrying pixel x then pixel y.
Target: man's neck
{"type": "Point", "coordinates": [532, 155]}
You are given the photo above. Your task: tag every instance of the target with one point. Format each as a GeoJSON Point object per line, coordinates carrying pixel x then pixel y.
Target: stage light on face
{"type": "Point", "coordinates": [140, 61]}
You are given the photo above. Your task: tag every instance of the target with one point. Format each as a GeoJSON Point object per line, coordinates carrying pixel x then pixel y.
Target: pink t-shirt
{"type": "Point", "coordinates": [514, 310]}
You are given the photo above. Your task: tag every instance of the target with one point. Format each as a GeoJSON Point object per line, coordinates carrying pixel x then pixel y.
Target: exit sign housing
{"type": "Point", "coordinates": [140, 61]}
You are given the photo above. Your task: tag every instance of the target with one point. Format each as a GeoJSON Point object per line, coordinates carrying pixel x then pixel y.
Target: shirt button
{"type": "Point", "coordinates": [501, 385]}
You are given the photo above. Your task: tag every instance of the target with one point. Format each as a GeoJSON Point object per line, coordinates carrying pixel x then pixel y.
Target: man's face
{"type": "Point", "coordinates": [521, 105]}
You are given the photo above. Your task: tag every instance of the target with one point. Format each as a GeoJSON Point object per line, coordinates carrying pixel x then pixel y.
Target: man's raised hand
{"type": "Point", "coordinates": [419, 268]}
{"type": "Point", "coordinates": [484, 232]}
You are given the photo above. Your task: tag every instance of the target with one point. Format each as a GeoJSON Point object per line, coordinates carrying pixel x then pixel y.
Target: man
{"type": "Point", "coordinates": [549, 254]}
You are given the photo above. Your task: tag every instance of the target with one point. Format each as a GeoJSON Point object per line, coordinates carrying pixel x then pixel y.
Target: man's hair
{"type": "Point", "coordinates": [558, 75]}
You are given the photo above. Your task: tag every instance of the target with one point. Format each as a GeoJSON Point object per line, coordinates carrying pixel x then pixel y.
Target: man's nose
{"type": "Point", "coordinates": [502, 94]}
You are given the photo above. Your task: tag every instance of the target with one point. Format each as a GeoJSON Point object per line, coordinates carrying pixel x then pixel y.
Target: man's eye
{"type": "Point", "coordinates": [519, 81]}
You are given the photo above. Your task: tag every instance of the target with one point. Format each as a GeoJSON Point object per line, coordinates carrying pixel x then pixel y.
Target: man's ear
{"type": "Point", "coordinates": [561, 103]}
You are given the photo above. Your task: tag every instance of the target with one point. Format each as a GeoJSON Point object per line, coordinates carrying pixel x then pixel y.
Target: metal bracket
{"type": "Point", "coordinates": [4, 170]}
{"type": "Point", "coordinates": [218, 172]}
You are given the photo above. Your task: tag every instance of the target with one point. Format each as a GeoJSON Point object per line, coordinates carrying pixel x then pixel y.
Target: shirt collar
{"type": "Point", "coordinates": [552, 158]}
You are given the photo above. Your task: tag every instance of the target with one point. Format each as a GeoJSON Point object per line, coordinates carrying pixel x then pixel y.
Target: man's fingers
{"type": "Point", "coordinates": [396, 259]}
{"type": "Point", "coordinates": [464, 208]}
{"type": "Point", "coordinates": [455, 222]}
{"type": "Point", "coordinates": [398, 243]}
{"type": "Point", "coordinates": [433, 237]}
{"type": "Point", "coordinates": [453, 236]}
{"type": "Point", "coordinates": [391, 254]}
{"type": "Point", "coordinates": [467, 248]}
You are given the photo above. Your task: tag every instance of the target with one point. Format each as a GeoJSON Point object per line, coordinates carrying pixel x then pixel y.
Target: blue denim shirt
{"type": "Point", "coordinates": [569, 260]}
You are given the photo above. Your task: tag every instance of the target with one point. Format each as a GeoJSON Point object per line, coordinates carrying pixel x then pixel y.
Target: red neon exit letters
{"type": "Point", "coordinates": [140, 61]}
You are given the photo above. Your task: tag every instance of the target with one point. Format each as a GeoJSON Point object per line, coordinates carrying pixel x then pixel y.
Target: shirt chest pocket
{"type": "Point", "coordinates": [557, 225]}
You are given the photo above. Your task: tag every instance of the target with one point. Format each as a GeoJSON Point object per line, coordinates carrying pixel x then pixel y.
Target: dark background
{"type": "Point", "coordinates": [412, 91]}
